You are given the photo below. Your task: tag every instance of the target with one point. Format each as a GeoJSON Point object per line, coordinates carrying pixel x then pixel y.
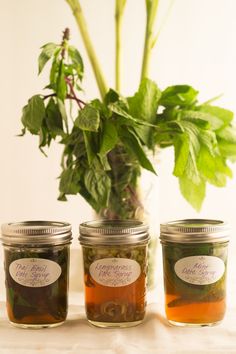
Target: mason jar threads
{"type": "Point", "coordinates": [115, 270]}
{"type": "Point", "coordinates": [37, 272]}
{"type": "Point", "coordinates": [195, 263]}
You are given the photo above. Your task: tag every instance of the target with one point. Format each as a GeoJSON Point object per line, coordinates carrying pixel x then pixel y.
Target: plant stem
{"type": "Point", "coordinates": [73, 95]}
{"type": "Point", "coordinates": [151, 11]}
{"type": "Point", "coordinates": [120, 5]}
{"type": "Point", "coordinates": [81, 22]}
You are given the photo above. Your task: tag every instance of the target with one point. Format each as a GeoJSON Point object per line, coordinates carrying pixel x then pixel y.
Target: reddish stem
{"type": "Point", "coordinates": [69, 97]}
{"type": "Point", "coordinates": [69, 83]}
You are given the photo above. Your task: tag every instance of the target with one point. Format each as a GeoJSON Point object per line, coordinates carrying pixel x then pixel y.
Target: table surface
{"type": "Point", "coordinates": [154, 335]}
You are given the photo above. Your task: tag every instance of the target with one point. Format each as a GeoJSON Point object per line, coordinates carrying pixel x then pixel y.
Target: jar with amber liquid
{"type": "Point", "coordinates": [115, 271]}
{"type": "Point", "coordinates": [195, 263]}
{"type": "Point", "coordinates": [36, 272]}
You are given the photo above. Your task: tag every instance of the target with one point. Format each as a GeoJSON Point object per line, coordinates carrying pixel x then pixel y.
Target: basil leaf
{"type": "Point", "coordinates": [109, 138]}
{"type": "Point", "coordinates": [62, 109]}
{"type": "Point", "coordinates": [54, 119]}
{"type": "Point", "coordinates": [69, 181]}
{"type": "Point", "coordinates": [111, 97]}
{"type": "Point", "coordinates": [33, 114]}
{"type": "Point", "coordinates": [76, 60]}
{"type": "Point", "coordinates": [131, 141]}
{"type": "Point", "coordinates": [89, 146]}
{"type": "Point", "coordinates": [44, 138]}
{"type": "Point", "coordinates": [88, 119]}
{"type": "Point", "coordinates": [104, 111]}
{"type": "Point", "coordinates": [98, 184]}
{"type": "Point", "coordinates": [120, 111]}
{"type": "Point", "coordinates": [61, 86]}
{"type": "Point", "coordinates": [143, 105]}
{"type": "Point", "coordinates": [46, 54]}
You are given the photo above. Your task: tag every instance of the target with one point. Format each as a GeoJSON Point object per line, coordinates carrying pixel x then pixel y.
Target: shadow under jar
{"type": "Point", "coordinates": [195, 264]}
{"type": "Point", "coordinates": [115, 271]}
{"type": "Point", "coordinates": [36, 272]}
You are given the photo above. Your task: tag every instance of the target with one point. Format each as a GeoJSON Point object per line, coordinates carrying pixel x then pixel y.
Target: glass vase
{"type": "Point", "coordinates": [135, 195]}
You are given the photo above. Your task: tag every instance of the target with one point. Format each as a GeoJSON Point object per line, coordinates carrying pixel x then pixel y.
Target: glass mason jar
{"type": "Point", "coordinates": [37, 272]}
{"type": "Point", "coordinates": [195, 263]}
{"type": "Point", "coordinates": [115, 270]}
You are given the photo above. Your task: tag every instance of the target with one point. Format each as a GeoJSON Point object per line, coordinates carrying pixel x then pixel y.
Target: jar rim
{"type": "Point", "coordinates": [195, 231]}
{"type": "Point", "coordinates": [36, 232]}
{"type": "Point", "coordinates": [108, 232]}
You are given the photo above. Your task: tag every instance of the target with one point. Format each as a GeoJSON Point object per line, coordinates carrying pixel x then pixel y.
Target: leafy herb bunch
{"type": "Point", "coordinates": [107, 142]}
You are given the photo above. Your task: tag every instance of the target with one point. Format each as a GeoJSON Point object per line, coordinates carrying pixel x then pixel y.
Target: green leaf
{"type": "Point", "coordinates": [98, 184]}
{"type": "Point", "coordinates": [131, 141]}
{"type": "Point", "coordinates": [228, 134]}
{"type": "Point", "coordinates": [43, 138]}
{"type": "Point", "coordinates": [109, 138]}
{"type": "Point", "coordinates": [54, 72]}
{"type": "Point", "coordinates": [89, 146]}
{"type": "Point", "coordinates": [213, 168]}
{"type": "Point", "coordinates": [192, 192]}
{"type": "Point", "coordinates": [143, 105]}
{"type": "Point", "coordinates": [200, 116]}
{"type": "Point", "coordinates": [104, 162]}
{"type": "Point", "coordinates": [62, 197]}
{"type": "Point", "coordinates": [54, 119]}
{"type": "Point", "coordinates": [33, 114]}
{"type": "Point", "coordinates": [193, 132]}
{"type": "Point", "coordinates": [111, 97]}
{"type": "Point", "coordinates": [88, 119]}
{"type": "Point", "coordinates": [76, 60]}
{"type": "Point", "coordinates": [182, 147]}
{"type": "Point", "coordinates": [228, 150]}
{"type": "Point", "coordinates": [117, 109]}
{"type": "Point", "coordinates": [224, 115]}
{"type": "Point", "coordinates": [227, 142]}
{"type": "Point", "coordinates": [61, 86]}
{"type": "Point", "coordinates": [128, 119]}
{"type": "Point", "coordinates": [62, 109]}
{"type": "Point", "coordinates": [69, 182]}
{"type": "Point", "coordinates": [46, 54]}
{"type": "Point", "coordinates": [104, 111]}
{"type": "Point", "coordinates": [179, 95]}
{"type": "Point", "coordinates": [208, 138]}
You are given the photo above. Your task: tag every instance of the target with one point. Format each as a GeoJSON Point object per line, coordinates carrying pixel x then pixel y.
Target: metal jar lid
{"type": "Point", "coordinates": [36, 233]}
{"type": "Point", "coordinates": [195, 231]}
{"type": "Point", "coordinates": [113, 232]}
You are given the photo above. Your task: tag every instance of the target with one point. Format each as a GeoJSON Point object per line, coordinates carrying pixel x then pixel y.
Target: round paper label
{"type": "Point", "coordinates": [115, 272]}
{"type": "Point", "coordinates": [34, 272]}
{"type": "Point", "coordinates": [200, 270]}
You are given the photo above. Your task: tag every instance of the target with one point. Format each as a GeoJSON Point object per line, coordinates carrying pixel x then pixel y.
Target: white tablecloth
{"type": "Point", "coordinates": [154, 335]}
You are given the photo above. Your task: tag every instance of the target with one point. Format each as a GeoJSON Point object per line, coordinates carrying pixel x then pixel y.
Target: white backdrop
{"type": "Point", "coordinates": [197, 47]}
